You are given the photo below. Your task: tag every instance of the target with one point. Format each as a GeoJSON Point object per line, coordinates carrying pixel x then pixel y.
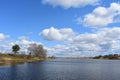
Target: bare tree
{"type": "Point", "coordinates": [37, 50]}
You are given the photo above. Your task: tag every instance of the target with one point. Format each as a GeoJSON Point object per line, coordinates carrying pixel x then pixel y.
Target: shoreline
{"type": "Point", "coordinates": [11, 59]}
{"type": "Point", "coordinates": [15, 62]}
{"type": "Point", "coordinates": [8, 62]}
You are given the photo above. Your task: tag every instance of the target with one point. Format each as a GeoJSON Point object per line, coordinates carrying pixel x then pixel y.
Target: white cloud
{"type": "Point", "coordinates": [3, 36]}
{"type": "Point", "coordinates": [70, 3]}
{"type": "Point", "coordinates": [23, 42]}
{"type": "Point", "coordinates": [106, 38]}
{"type": "Point", "coordinates": [23, 38]}
{"type": "Point", "coordinates": [102, 16]}
{"type": "Point", "coordinates": [103, 41]}
{"type": "Point", "coordinates": [56, 34]}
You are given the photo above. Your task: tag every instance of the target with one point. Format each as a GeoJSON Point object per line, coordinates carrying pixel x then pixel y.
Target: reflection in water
{"type": "Point", "coordinates": [63, 69]}
{"type": "Point", "coordinates": [13, 72]}
{"type": "Point", "coordinates": [17, 72]}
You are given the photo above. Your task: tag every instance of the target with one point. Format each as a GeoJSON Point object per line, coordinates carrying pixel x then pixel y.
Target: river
{"type": "Point", "coordinates": [63, 69]}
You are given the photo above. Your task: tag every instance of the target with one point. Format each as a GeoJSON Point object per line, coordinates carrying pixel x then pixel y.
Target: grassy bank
{"type": "Point", "coordinates": [11, 59]}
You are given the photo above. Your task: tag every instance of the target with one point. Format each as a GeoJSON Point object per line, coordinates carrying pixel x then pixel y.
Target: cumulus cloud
{"type": "Point", "coordinates": [70, 3]}
{"type": "Point", "coordinates": [23, 42]}
{"type": "Point", "coordinates": [3, 36]}
{"type": "Point", "coordinates": [102, 16]}
{"type": "Point", "coordinates": [53, 34]}
{"type": "Point", "coordinates": [103, 41]}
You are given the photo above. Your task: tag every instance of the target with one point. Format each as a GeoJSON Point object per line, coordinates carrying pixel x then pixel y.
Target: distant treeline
{"type": "Point", "coordinates": [110, 56]}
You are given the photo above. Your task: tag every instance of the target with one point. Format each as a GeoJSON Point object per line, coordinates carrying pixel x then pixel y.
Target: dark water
{"type": "Point", "coordinates": [63, 69]}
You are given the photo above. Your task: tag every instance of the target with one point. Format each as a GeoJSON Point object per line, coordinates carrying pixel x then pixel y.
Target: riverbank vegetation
{"type": "Point", "coordinates": [11, 59]}
{"type": "Point", "coordinates": [36, 52]}
{"type": "Point", "coordinates": [110, 56]}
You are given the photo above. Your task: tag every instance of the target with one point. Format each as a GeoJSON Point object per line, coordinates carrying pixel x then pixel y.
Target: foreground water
{"type": "Point", "coordinates": [63, 69]}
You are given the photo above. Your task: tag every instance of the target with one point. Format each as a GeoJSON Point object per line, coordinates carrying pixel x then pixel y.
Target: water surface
{"type": "Point", "coordinates": [63, 69]}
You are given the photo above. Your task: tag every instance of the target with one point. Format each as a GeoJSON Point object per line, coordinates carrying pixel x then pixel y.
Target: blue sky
{"type": "Point", "coordinates": [64, 27]}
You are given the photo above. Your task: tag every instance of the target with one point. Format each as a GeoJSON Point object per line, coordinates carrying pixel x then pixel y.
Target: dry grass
{"type": "Point", "coordinates": [11, 59]}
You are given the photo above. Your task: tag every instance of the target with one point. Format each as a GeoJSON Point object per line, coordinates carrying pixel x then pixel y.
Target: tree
{"type": "Point", "coordinates": [37, 50]}
{"type": "Point", "coordinates": [15, 48]}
